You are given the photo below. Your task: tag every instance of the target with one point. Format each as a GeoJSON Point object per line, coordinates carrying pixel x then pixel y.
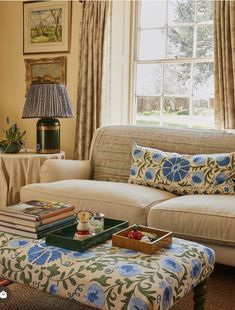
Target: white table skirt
{"type": "Point", "coordinates": [17, 170]}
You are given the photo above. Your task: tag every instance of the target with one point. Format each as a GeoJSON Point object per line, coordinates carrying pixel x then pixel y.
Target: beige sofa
{"type": "Point", "coordinates": [100, 185]}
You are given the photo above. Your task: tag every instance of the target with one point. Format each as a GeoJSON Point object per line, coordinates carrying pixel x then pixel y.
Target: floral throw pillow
{"type": "Point", "coordinates": [183, 174]}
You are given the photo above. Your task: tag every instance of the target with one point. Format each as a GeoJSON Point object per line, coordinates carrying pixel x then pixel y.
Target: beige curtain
{"type": "Point", "coordinates": [90, 75]}
{"type": "Point", "coordinates": [224, 25]}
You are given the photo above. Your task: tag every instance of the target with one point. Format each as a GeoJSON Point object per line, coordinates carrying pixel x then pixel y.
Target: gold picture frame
{"type": "Point", "coordinates": [46, 26]}
{"type": "Point", "coordinates": [45, 70]}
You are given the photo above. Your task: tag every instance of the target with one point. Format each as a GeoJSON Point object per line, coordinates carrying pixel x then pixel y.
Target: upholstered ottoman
{"type": "Point", "coordinates": [107, 277]}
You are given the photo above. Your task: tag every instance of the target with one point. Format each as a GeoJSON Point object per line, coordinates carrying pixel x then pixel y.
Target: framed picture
{"type": "Point", "coordinates": [47, 26]}
{"type": "Point", "coordinates": [45, 70]}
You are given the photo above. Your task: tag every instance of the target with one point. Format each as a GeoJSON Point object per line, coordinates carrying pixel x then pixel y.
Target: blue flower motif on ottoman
{"type": "Point", "coordinates": [167, 296]}
{"type": "Point", "coordinates": [210, 255]}
{"type": "Point", "coordinates": [129, 270]}
{"type": "Point", "coordinates": [183, 174]}
{"type": "Point", "coordinates": [41, 254]}
{"type": "Point", "coordinates": [172, 265]}
{"type": "Point", "coordinates": [95, 295]}
{"type": "Point", "coordinates": [196, 268]}
{"type": "Point", "coordinates": [138, 303]}
{"type": "Point", "coordinates": [18, 243]}
{"type": "Point", "coordinates": [54, 290]}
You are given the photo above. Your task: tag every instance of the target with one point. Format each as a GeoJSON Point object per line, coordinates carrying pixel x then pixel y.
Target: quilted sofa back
{"type": "Point", "coordinates": [112, 145]}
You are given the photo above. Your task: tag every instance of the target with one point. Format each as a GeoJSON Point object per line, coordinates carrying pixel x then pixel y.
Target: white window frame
{"type": "Point", "coordinates": [135, 21]}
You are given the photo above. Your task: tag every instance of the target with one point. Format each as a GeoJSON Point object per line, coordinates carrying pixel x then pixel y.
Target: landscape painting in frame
{"type": "Point", "coordinates": [46, 26]}
{"type": "Point", "coordinates": [45, 70]}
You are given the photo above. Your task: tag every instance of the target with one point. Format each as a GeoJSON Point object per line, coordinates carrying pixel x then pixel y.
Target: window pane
{"type": "Point", "coordinates": [180, 42]}
{"type": "Point", "coordinates": [203, 107]}
{"type": "Point", "coordinates": [149, 80]}
{"type": "Point", "coordinates": [149, 10]}
{"type": "Point", "coordinates": [181, 11]}
{"type": "Point", "coordinates": [176, 110]}
{"type": "Point", "coordinates": [203, 79]}
{"type": "Point", "coordinates": [148, 110]}
{"type": "Point", "coordinates": [203, 113]}
{"type": "Point", "coordinates": [204, 10]}
{"type": "Point", "coordinates": [152, 44]}
{"type": "Point", "coordinates": [205, 41]}
{"type": "Point", "coordinates": [177, 79]}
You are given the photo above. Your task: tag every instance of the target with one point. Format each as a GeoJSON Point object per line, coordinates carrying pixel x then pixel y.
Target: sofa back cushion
{"type": "Point", "coordinates": [111, 150]}
{"type": "Point", "coordinates": [183, 174]}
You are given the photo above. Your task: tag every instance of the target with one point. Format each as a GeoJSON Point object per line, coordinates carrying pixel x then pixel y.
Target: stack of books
{"type": "Point", "coordinates": [36, 218]}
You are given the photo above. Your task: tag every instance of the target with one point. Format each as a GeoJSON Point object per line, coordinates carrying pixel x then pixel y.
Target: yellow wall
{"type": "Point", "coordinates": [12, 73]}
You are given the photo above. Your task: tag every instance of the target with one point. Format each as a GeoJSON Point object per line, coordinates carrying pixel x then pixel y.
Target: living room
{"type": "Point", "coordinates": [146, 135]}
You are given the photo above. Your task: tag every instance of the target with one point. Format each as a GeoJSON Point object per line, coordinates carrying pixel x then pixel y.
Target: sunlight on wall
{"type": "Point", "coordinates": [12, 73]}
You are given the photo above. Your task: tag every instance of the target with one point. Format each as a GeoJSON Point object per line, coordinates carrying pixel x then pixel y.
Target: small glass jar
{"type": "Point", "coordinates": [97, 223]}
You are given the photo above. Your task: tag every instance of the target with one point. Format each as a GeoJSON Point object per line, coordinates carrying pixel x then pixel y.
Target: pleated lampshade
{"type": "Point", "coordinates": [47, 101]}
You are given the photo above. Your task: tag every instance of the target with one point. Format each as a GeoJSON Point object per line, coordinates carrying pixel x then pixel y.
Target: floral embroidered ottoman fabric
{"type": "Point", "coordinates": [107, 277]}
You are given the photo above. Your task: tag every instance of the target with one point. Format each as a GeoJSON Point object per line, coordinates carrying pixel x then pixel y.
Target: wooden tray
{"type": "Point", "coordinates": [121, 240]}
{"type": "Point", "coordinates": [64, 237]}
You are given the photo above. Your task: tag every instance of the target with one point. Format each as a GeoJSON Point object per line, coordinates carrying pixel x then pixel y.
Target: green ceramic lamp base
{"type": "Point", "coordinates": [48, 136]}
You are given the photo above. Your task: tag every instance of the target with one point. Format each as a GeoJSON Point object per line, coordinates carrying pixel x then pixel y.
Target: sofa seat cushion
{"type": "Point", "coordinates": [208, 218]}
{"type": "Point", "coordinates": [116, 200]}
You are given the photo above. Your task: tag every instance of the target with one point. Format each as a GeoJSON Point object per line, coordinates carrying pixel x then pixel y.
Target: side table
{"type": "Point", "coordinates": [17, 170]}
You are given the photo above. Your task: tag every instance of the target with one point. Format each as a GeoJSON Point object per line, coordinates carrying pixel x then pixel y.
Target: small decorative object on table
{"type": "Point", "coordinates": [141, 238]}
{"type": "Point", "coordinates": [14, 139]}
{"type": "Point", "coordinates": [83, 227]}
{"type": "Point", "coordinates": [97, 223]}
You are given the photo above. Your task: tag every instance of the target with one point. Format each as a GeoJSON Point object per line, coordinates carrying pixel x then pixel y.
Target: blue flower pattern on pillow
{"type": "Point", "coordinates": [199, 160]}
{"type": "Point", "coordinates": [175, 169]}
{"type": "Point", "coordinates": [221, 178]}
{"type": "Point", "coordinates": [134, 170]}
{"type": "Point", "coordinates": [183, 174]}
{"type": "Point", "coordinates": [137, 153]}
{"type": "Point", "coordinates": [157, 157]}
{"type": "Point", "coordinates": [197, 178]}
{"type": "Point", "coordinates": [149, 174]}
{"type": "Point", "coordinates": [223, 160]}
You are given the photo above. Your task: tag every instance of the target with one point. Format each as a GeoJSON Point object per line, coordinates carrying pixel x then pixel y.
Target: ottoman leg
{"type": "Point", "coordinates": [200, 295]}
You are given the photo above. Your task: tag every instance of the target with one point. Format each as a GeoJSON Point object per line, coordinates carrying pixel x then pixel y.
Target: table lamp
{"type": "Point", "coordinates": [47, 101]}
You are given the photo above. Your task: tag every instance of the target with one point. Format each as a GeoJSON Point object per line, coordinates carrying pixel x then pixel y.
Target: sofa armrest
{"type": "Point", "coordinates": [64, 169]}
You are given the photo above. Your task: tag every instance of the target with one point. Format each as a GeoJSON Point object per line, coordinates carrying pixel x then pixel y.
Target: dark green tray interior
{"type": "Point", "coordinates": [64, 237]}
